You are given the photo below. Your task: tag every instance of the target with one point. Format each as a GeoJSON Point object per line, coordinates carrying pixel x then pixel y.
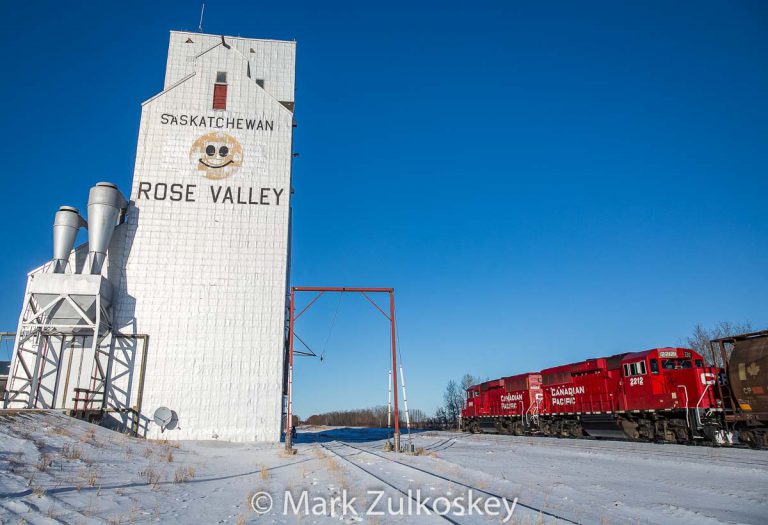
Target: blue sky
{"type": "Point", "coordinates": [541, 182]}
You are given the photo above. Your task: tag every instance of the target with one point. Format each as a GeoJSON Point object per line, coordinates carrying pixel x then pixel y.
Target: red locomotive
{"type": "Point", "coordinates": [664, 394]}
{"type": "Point", "coordinates": [508, 404]}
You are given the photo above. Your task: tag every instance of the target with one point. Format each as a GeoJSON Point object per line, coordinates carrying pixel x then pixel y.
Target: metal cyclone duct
{"type": "Point", "coordinates": [65, 226]}
{"type": "Point", "coordinates": [105, 205]}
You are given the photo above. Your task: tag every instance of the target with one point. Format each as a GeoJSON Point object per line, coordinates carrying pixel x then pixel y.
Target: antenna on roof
{"type": "Point", "coordinates": [200, 25]}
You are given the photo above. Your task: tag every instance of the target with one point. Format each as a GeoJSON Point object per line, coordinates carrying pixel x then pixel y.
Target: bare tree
{"type": "Point", "coordinates": [453, 401]}
{"type": "Point", "coordinates": [441, 418]}
{"type": "Point", "coordinates": [700, 338]}
{"type": "Point", "coordinates": [467, 381]}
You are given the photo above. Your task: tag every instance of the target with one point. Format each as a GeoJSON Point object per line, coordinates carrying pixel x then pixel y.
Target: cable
{"type": "Point", "coordinates": [333, 324]}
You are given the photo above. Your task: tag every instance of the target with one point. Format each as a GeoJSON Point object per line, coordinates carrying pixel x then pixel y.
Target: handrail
{"type": "Point", "coordinates": [687, 420]}
{"type": "Point", "coordinates": [698, 417]}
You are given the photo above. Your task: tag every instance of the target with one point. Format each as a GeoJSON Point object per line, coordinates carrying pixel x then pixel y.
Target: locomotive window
{"type": "Point", "coordinates": [676, 364]}
{"type": "Point", "coordinates": [654, 366]}
{"type": "Point", "coordinates": [699, 363]}
{"type": "Point", "coordinates": [634, 369]}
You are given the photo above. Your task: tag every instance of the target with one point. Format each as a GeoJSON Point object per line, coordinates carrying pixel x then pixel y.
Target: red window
{"type": "Point", "coordinates": [220, 96]}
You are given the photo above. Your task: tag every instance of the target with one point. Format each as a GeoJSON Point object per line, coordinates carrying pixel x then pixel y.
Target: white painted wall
{"type": "Point", "coordinates": [207, 280]}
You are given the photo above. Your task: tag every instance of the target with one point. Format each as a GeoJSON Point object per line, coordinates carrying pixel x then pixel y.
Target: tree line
{"type": "Point", "coordinates": [375, 417]}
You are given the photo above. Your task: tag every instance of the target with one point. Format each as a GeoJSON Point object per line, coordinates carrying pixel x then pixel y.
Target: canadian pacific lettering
{"type": "Point", "coordinates": [509, 401]}
{"type": "Point", "coordinates": [566, 395]}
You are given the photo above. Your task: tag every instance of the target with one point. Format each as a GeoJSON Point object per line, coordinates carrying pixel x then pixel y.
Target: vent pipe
{"type": "Point", "coordinates": [65, 226]}
{"type": "Point", "coordinates": [106, 206]}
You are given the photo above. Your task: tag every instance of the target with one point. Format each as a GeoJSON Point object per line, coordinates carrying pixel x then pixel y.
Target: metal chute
{"type": "Point", "coordinates": [65, 227]}
{"type": "Point", "coordinates": [106, 206]}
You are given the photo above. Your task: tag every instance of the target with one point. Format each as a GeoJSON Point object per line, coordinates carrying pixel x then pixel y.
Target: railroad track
{"type": "Point", "coordinates": [562, 443]}
{"type": "Point", "coordinates": [359, 450]}
{"type": "Point", "coordinates": [441, 445]}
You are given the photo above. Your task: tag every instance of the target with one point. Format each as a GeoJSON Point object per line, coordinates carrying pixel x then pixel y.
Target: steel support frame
{"type": "Point", "coordinates": [293, 317]}
{"type": "Point", "coordinates": [36, 356]}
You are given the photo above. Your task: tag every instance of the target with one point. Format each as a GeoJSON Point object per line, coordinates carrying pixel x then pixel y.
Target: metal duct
{"type": "Point", "coordinates": [105, 205]}
{"type": "Point", "coordinates": [65, 226]}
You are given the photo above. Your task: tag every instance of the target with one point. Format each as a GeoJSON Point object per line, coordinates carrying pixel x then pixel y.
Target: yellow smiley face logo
{"type": "Point", "coordinates": [217, 155]}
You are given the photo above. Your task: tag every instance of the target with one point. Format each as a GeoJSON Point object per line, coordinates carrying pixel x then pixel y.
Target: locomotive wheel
{"type": "Point", "coordinates": [576, 431]}
{"type": "Point", "coordinates": [755, 439]}
{"type": "Point", "coordinates": [682, 435]}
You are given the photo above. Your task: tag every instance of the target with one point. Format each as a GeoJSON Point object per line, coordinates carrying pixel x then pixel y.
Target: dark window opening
{"type": "Point", "coordinates": [221, 77]}
{"type": "Point", "coordinates": [654, 366]}
{"type": "Point", "coordinates": [676, 364]}
{"type": "Point", "coordinates": [634, 369]}
{"type": "Point", "coordinates": [699, 363]}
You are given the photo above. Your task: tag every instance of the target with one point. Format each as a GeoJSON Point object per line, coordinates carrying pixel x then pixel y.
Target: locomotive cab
{"type": "Point", "coordinates": [673, 389]}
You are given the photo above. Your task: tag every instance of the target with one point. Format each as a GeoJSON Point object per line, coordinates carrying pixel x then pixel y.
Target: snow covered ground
{"type": "Point", "coordinates": [54, 469]}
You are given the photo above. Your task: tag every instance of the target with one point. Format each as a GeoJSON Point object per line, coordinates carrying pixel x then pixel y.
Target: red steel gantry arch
{"type": "Point", "coordinates": [292, 320]}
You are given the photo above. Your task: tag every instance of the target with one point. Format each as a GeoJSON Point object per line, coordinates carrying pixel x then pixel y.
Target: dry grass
{"type": "Point", "coordinates": [167, 455]}
{"type": "Point", "coordinates": [92, 477]}
{"type": "Point", "coordinates": [249, 497]}
{"type": "Point", "coordinates": [61, 431]}
{"type": "Point", "coordinates": [45, 462]}
{"type": "Point", "coordinates": [166, 443]}
{"type": "Point", "coordinates": [38, 491]}
{"type": "Point", "coordinates": [15, 461]}
{"type": "Point", "coordinates": [153, 477]}
{"type": "Point", "coordinates": [147, 452]}
{"type": "Point", "coordinates": [182, 475]}
{"type": "Point", "coordinates": [71, 451]}
{"type": "Point", "coordinates": [240, 520]}
{"type": "Point", "coordinates": [89, 436]}
{"type": "Point", "coordinates": [331, 465]}
{"type": "Point", "coordinates": [420, 452]}
{"type": "Point", "coordinates": [264, 474]}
